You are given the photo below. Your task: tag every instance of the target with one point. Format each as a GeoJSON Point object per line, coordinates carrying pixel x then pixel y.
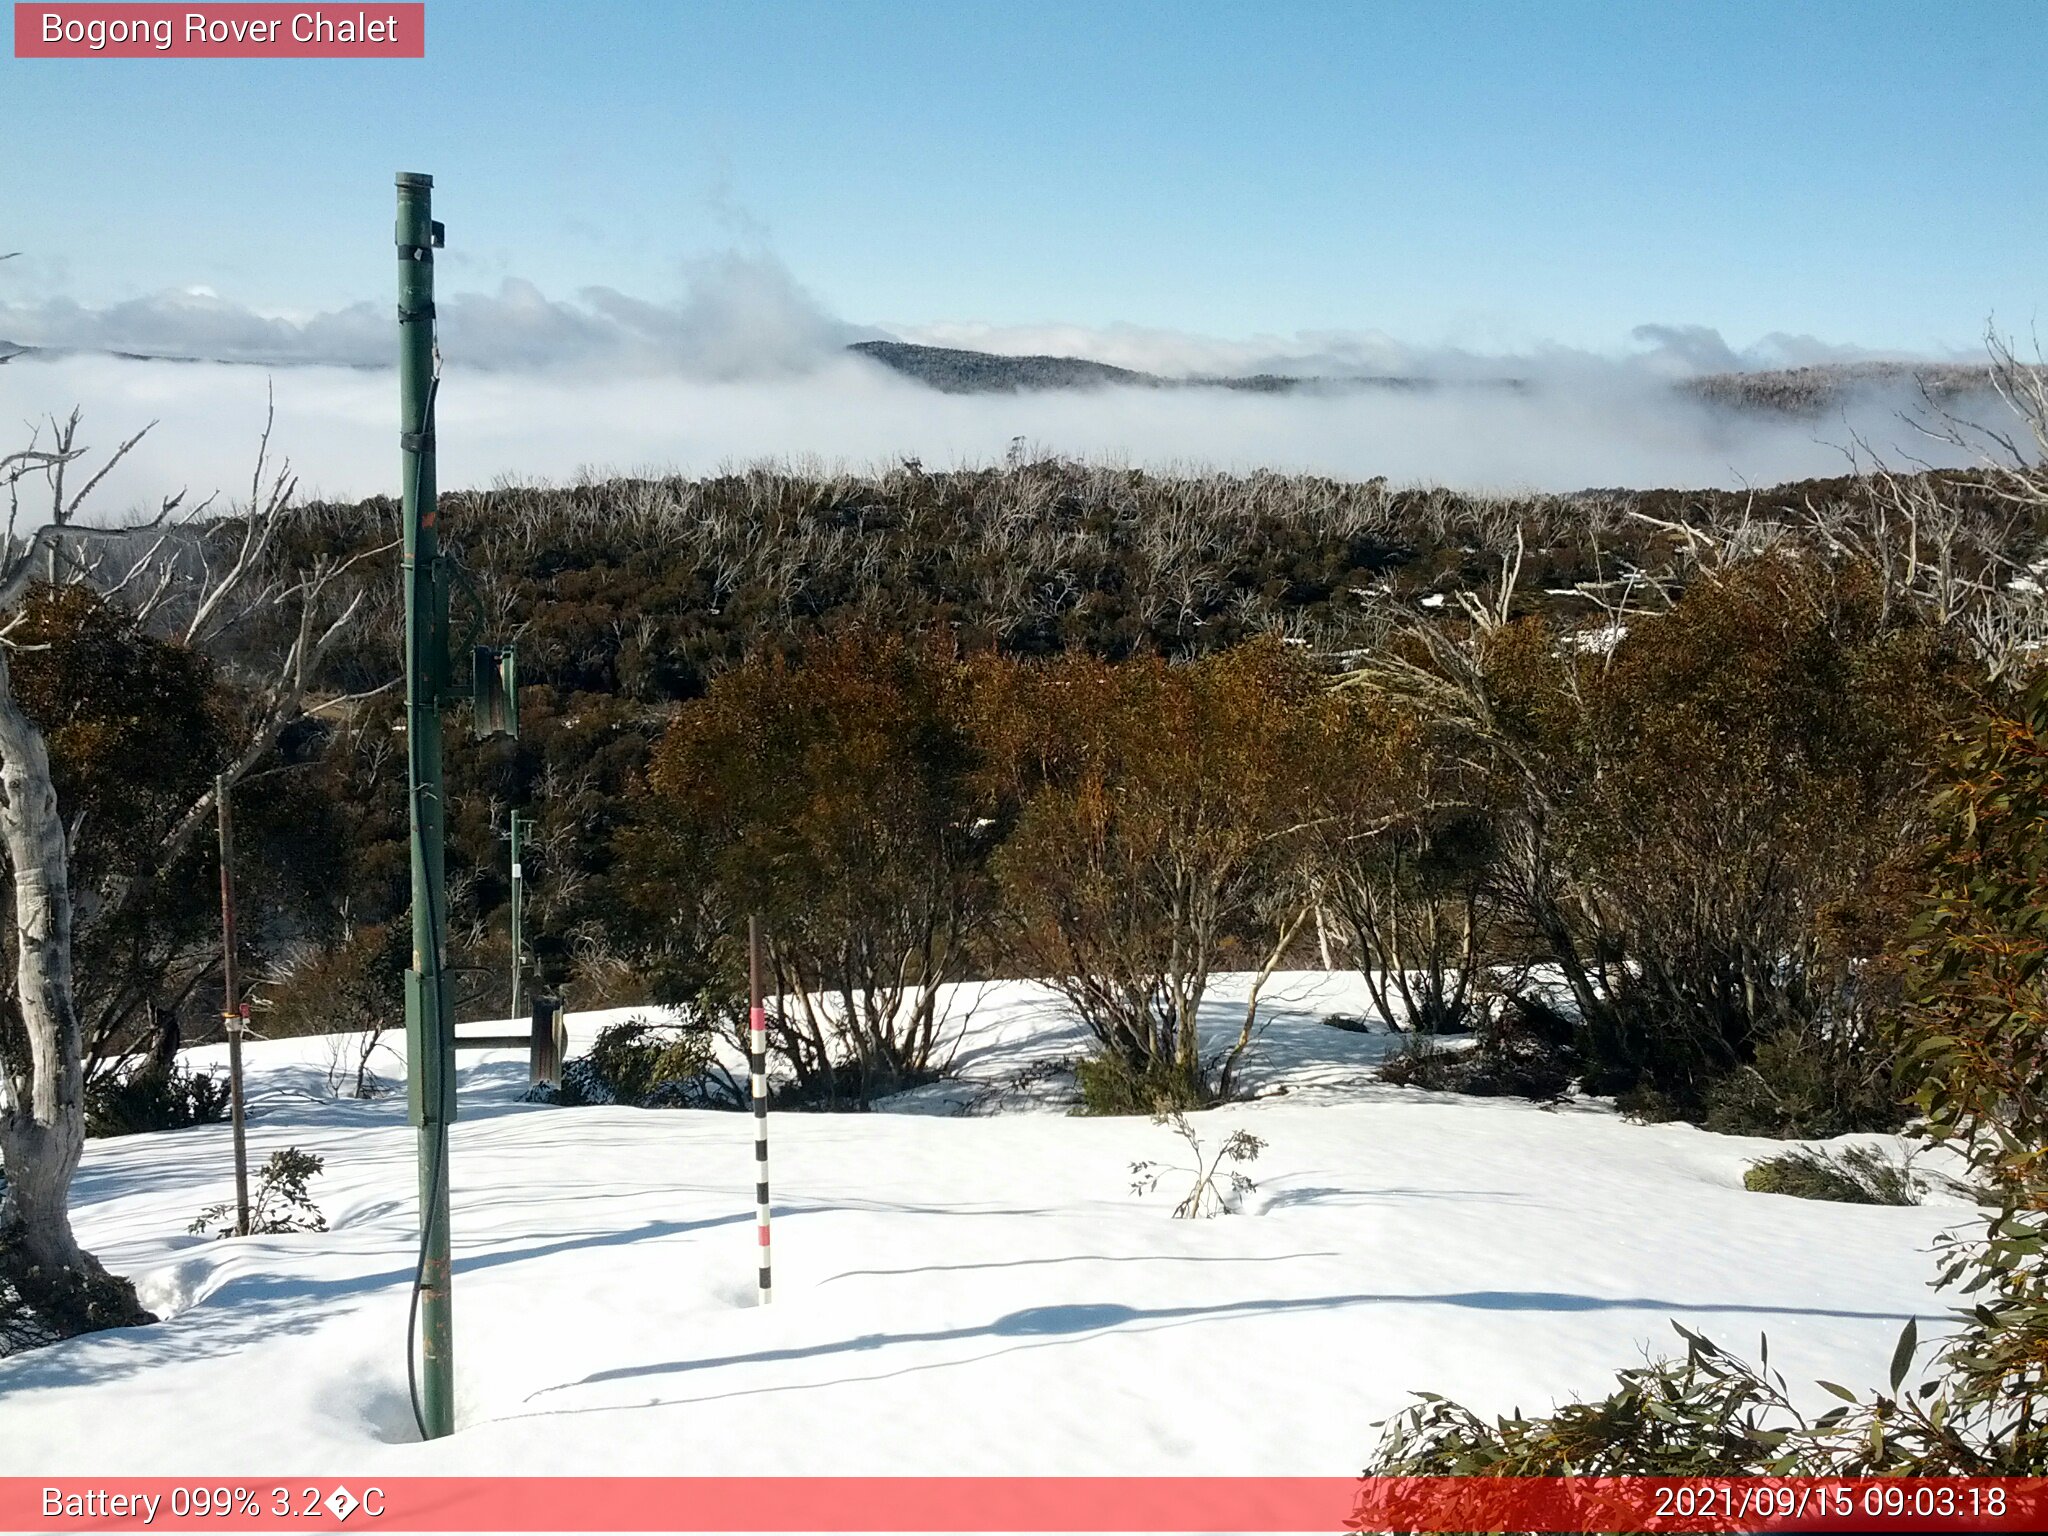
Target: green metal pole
{"type": "Point", "coordinates": [519, 826]}
{"type": "Point", "coordinates": [429, 1020]}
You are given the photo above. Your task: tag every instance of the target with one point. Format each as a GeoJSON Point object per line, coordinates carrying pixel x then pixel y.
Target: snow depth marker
{"type": "Point", "coordinates": [757, 1069]}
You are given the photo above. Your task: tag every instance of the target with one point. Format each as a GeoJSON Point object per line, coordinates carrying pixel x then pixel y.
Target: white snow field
{"type": "Point", "coordinates": [955, 1293]}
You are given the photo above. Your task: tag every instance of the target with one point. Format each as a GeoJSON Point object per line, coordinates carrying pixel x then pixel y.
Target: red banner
{"type": "Point", "coordinates": [102, 30]}
{"type": "Point", "coordinates": [1029, 1504]}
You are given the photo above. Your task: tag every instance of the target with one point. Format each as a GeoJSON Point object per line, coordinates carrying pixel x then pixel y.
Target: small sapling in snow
{"type": "Point", "coordinates": [1209, 1197]}
{"type": "Point", "coordinates": [280, 1204]}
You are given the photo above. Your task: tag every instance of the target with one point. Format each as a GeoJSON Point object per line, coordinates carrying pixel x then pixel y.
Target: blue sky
{"type": "Point", "coordinates": [1489, 176]}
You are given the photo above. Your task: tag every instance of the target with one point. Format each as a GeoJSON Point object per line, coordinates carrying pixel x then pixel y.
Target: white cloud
{"type": "Point", "coordinates": [1662, 352]}
{"type": "Point", "coordinates": [340, 426]}
{"type": "Point", "coordinates": [748, 364]}
{"type": "Point", "coordinates": [1177, 354]}
{"type": "Point", "coordinates": [742, 316]}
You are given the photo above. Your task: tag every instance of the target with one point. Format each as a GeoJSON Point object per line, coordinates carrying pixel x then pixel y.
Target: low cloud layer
{"type": "Point", "coordinates": [1657, 352]}
{"type": "Point", "coordinates": [743, 315]}
{"type": "Point", "coordinates": [340, 427]}
{"type": "Point", "coordinates": [747, 365]}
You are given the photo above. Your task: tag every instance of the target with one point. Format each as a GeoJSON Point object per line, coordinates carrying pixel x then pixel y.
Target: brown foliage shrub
{"type": "Point", "coordinates": [1158, 816]}
{"type": "Point", "coordinates": [1703, 828]}
{"type": "Point", "coordinates": [833, 797]}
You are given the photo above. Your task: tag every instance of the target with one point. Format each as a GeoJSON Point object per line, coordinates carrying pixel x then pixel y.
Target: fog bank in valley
{"type": "Point", "coordinates": [339, 426]}
{"type": "Point", "coordinates": [749, 365]}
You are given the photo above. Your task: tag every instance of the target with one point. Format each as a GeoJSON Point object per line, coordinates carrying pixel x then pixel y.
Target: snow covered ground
{"type": "Point", "coordinates": [956, 1292]}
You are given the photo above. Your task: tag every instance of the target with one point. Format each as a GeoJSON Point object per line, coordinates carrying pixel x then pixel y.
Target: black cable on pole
{"type": "Point", "coordinates": [419, 1269]}
{"type": "Point", "coordinates": [412, 1318]}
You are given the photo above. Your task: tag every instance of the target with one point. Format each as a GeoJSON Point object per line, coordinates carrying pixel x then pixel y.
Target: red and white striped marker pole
{"type": "Point", "coordinates": [757, 1067]}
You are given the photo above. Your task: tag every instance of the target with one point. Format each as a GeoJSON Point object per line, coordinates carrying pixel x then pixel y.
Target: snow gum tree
{"type": "Point", "coordinates": [136, 727]}
{"type": "Point", "coordinates": [42, 1080]}
{"type": "Point", "coordinates": [42, 1120]}
{"type": "Point", "coordinates": [190, 584]}
{"type": "Point", "coordinates": [119, 729]}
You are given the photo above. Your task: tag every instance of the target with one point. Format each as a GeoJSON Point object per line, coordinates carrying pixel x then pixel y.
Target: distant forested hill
{"type": "Point", "coordinates": [962, 371]}
{"type": "Point", "coordinates": [1786, 391]}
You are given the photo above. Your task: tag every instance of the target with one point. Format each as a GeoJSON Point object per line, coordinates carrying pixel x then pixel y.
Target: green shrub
{"type": "Point", "coordinates": [1157, 815]}
{"type": "Point", "coordinates": [153, 1097]}
{"type": "Point", "coordinates": [1646, 1104]}
{"type": "Point", "coordinates": [1807, 1087]}
{"type": "Point", "coordinates": [1974, 1048]}
{"type": "Point", "coordinates": [1891, 1180]}
{"type": "Point", "coordinates": [1805, 1175]}
{"type": "Point", "coordinates": [1112, 1086]}
{"type": "Point", "coordinates": [1973, 1041]}
{"type": "Point", "coordinates": [278, 1204]}
{"type": "Point", "coordinates": [1709, 818]}
{"type": "Point", "coordinates": [647, 1065]}
{"type": "Point", "coordinates": [1978, 1414]}
{"type": "Point", "coordinates": [832, 795]}
{"type": "Point", "coordinates": [1855, 1176]}
{"type": "Point", "coordinates": [1505, 1063]}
